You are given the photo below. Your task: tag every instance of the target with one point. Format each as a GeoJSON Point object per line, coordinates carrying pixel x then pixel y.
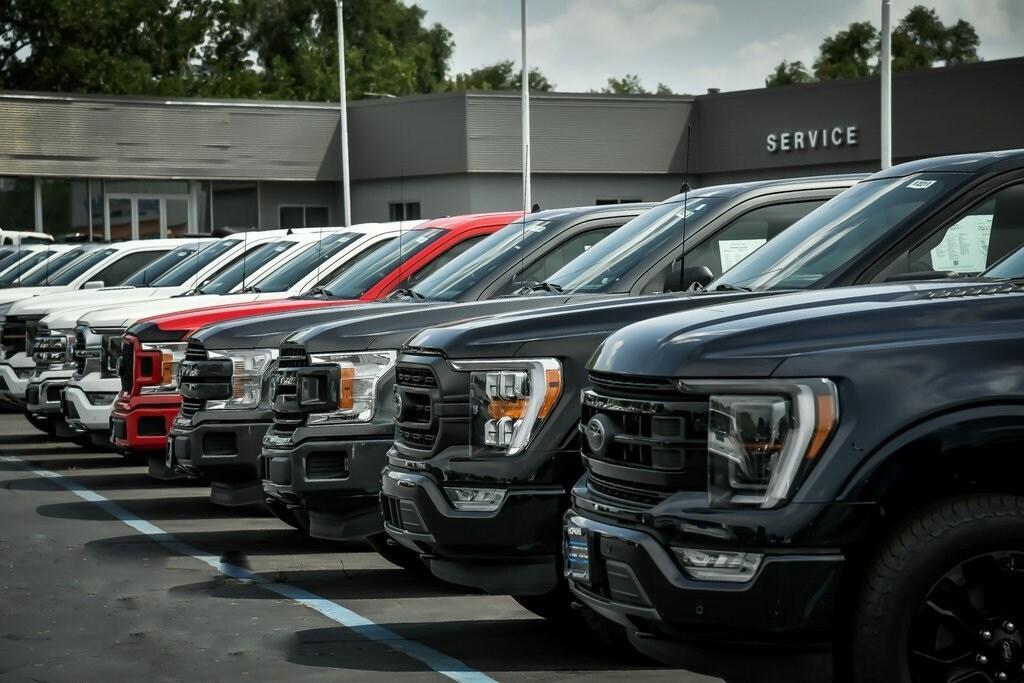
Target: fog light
{"type": "Point", "coordinates": [101, 398]}
{"type": "Point", "coordinates": [717, 565]}
{"type": "Point", "coordinates": [477, 500]}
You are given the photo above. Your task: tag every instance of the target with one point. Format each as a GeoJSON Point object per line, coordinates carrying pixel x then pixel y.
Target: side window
{"type": "Point", "coordinates": [118, 271]}
{"type": "Point", "coordinates": [970, 244]}
{"type": "Point", "coordinates": [553, 261]}
{"type": "Point", "coordinates": [746, 234]}
{"type": "Point", "coordinates": [441, 260]}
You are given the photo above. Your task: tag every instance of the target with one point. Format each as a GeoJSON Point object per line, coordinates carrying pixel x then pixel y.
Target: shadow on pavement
{"type": "Point", "coordinates": [155, 509]}
{"type": "Point", "coordinates": [484, 645]}
{"type": "Point", "coordinates": [244, 541]}
{"type": "Point", "coordinates": [333, 584]}
{"type": "Point", "coordinates": [121, 481]}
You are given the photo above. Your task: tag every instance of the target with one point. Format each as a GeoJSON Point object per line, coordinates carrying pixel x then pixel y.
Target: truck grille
{"type": "Point", "coordinates": [290, 357]}
{"type": "Point", "coordinates": [78, 352]}
{"type": "Point", "coordinates": [417, 387]}
{"type": "Point", "coordinates": [195, 351]}
{"type": "Point", "coordinates": [652, 431]}
{"type": "Point", "coordinates": [126, 365]}
{"type": "Point", "coordinates": [190, 406]}
{"type": "Point", "coordinates": [12, 337]}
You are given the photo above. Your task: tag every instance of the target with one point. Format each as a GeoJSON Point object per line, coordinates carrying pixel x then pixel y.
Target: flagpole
{"type": "Point", "coordinates": [527, 199]}
{"type": "Point", "coordinates": [885, 68]}
{"type": "Point", "coordinates": [345, 191]}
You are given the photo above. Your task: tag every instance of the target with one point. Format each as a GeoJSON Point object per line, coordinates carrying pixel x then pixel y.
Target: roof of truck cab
{"type": "Point", "coordinates": [956, 163]}
{"type": "Point", "coordinates": [456, 226]}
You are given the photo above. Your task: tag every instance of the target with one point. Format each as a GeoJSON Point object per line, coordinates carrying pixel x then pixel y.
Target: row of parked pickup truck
{"type": "Point", "coordinates": [777, 412]}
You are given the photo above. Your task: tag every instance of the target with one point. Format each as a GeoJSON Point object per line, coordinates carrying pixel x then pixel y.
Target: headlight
{"type": "Point", "coordinates": [763, 436]}
{"type": "Point", "coordinates": [52, 349]}
{"type": "Point", "coordinates": [509, 401]}
{"type": "Point", "coordinates": [169, 357]}
{"type": "Point", "coordinates": [359, 375]}
{"type": "Point", "coordinates": [250, 373]}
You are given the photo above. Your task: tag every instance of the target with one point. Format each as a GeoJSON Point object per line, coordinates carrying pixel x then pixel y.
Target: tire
{"type": "Point", "coordinates": [293, 517]}
{"type": "Point", "coordinates": [396, 553]}
{"type": "Point", "coordinates": [921, 592]}
{"type": "Point", "coordinates": [42, 424]}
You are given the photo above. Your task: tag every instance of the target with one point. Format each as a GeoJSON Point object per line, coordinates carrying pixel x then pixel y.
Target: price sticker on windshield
{"type": "Point", "coordinates": [920, 184]}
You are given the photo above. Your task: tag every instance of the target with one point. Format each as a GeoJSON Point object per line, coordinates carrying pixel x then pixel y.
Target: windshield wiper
{"type": "Point", "coordinates": [726, 287]}
{"type": "Point", "coordinates": [547, 287]}
{"type": "Point", "coordinates": [251, 289]}
{"type": "Point", "coordinates": [407, 292]}
{"type": "Point", "coordinates": [319, 290]}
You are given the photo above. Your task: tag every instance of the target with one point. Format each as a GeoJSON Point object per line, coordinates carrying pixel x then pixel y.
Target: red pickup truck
{"type": "Point", "coordinates": [151, 350]}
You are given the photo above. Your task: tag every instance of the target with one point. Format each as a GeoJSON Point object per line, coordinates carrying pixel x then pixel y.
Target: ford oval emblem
{"type": "Point", "coordinates": [398, 404]}
{"type": "Point", "coordinates": [596, 435]}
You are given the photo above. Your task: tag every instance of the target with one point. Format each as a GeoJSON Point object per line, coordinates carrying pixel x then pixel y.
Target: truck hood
{"type": "Point", "coordinates": [90, 299]}
{"type": "Point", "coordinates": [126, 316]}
{"type": "Point", "coordinates": [188, 321]}
{"type": "Point", "coordinates": [387, 328]}
{"type": "Point", "coordinates": [752, 338]}
{"type": "Point", "coordinates": [9, 296]}
{"type": "Point", "coordinates": [560, 331]}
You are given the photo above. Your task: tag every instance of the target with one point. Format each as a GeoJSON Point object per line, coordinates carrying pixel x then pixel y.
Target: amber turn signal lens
{"type": "Point", "coordinates": [825, 423]}
{"type": "Point", "coordinates": [499, 408]}
{"type": "Point", "coordinates": [346, 396]}
{"type": "Point", "coordinates": [552, 390]}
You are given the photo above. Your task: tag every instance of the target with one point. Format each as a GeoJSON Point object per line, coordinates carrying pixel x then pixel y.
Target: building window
{"type": "Point", "coordinates": [235, 205]}
{"type": "Point", "coordinates": [603, 202]}
{"type": "Point", "coordinates": [404, 211]}
{"type": "Point", "coordinates": [304, 216]}
{"type": "Point", "coordinates": [17, 203]}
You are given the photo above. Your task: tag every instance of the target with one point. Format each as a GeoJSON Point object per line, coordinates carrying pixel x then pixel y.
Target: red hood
{"type": "Point", "coordinates": [190, 321]}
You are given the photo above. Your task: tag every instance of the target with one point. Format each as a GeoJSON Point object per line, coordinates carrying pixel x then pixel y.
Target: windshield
{"type": "Point", "coordinates": [23, 266]}
{"type": "Point", "coordinates": [477, 263]}
{"type": "Point", "coordinates": [604, 267]}
{"type": "Point", "coordinates": [146, 276]}
{"type": "Point", "coordinates": [229, 278]}
{"type": "Point", "coordinates": [80, 267]}
{"type": "Point", "coordinates": [838, 232]}
{"type": "Point", "coordinates": [10, 258]}
{"type": "Point", "coordinates": [375, 265]}
{"type": "Point", "coordinates": [179, 274]}
{"type": "Point", "coordinates": [314, 256]}
{"type": "Point", "coordinates": [52, 266]}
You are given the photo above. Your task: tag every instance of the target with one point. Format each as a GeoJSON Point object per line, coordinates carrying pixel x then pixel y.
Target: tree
{"type": "Point", "coordinates": [627, 85]}
{"type": "Point", "coordinates": [281, 49]}
{"type": "Point", "coordinates": [499, 76]}
{"type": "Point", "coordinates": [788, 73]}
{"type": "Point", "coordinates": [848, 53]}
{"type": "Point", "coordinates": [919, 41]}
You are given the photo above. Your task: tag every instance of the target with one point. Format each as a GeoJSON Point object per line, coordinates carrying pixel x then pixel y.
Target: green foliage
{"type": "Point", "coordinates": [788, 73]}
{"type": "Point", "coordinates": [919, 41]}
{"type": "Point", "coordinates": [499, 76]}
{"type": "Point", "coordinates": [630, 84]}
{"type": "Point", "coordinates": [279, 49]}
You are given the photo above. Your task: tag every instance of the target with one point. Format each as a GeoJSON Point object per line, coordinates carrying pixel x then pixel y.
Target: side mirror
{"type": "Point", "coordinates": [93, 284]}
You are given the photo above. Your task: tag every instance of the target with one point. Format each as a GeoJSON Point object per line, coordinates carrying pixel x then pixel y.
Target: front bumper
{"type": "Point", "coordinates": [514, 550]}
{"type": "Point", "coordinates": [43, 394]}
{"type": "Point", "coordinates": [142, 423]}
{"type": "Point", "coordinates": [15, 377]}
{"type": "Point", "coordinates": [636, 582]}
{"type": "Point", "coordinates": [333, 473]}
{"type": "Point", "coordinates": [82, 414]}
{"type": "Point", "coordinates": [222, 452]}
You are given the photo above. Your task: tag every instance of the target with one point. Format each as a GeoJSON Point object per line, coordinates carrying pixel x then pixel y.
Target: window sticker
{"type": "Point", "coordinates": [733, 251]}
{"type": "Point", "coordinates": [964, 249]}
{"type": "Point", "coordinates": [920, 184]}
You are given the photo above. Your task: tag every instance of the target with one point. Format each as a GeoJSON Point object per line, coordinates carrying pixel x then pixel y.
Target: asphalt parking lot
{"type": "Point", "coordinates": [108, 574]}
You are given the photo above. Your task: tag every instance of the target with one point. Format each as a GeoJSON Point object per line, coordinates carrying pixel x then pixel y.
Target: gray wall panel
{"type": "Point", "coordinates": [502, 191]}
{"type": "Point", "coordinates": [273, 195]}
{"type": "Point", "coordinates": [442, 195]}
{"type": "Point", "coordinates": [123, 137]}
{"type": "Point", "coordinates": [577, 133]}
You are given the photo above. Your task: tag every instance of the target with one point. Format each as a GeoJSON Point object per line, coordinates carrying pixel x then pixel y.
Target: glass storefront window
{"type": "Point", "coordinates": [17, 203]}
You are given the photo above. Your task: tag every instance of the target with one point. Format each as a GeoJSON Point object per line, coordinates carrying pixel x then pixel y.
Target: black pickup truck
{"type": "Point", "coordinates": [328, 465]}
{"type": "Point", "coordinates": [220, 440]}
{"type": "Point", "coordinates": [486, 444]}
{"type": "Point", "coordinates": [824, 466]}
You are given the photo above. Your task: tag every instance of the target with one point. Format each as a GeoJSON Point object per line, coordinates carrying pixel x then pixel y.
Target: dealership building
{"type": "Point", "coordinates": [105, 167]}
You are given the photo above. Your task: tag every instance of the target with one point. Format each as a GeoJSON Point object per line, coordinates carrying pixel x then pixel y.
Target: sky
{"type": "Point", "coordinates": [690, 45]}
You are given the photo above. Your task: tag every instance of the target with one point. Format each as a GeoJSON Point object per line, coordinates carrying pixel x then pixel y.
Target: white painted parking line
{"type": "Point", "coordinates": [438, 661]}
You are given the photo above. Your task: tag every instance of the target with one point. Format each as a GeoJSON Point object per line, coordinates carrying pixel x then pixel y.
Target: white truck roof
{"type": "Point", "coordinates": [125, 316]}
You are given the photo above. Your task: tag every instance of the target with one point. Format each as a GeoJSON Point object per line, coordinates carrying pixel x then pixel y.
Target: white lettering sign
{"type": "Point", "coordinates": [817, 138]}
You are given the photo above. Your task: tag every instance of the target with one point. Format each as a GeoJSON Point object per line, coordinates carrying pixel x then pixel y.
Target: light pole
{"type": "Point", "coordinates": [345, 192]}
{"type": "Point", "coordinates": [885, 68]}
{"type": "Point", "coordinates": [527, 200]}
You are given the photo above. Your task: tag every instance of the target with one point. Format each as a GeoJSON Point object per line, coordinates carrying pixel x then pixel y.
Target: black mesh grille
{"type": "Point", "coordinates": [13, 336]}
{"type": "Point", "coordinates": [631, 385]}
{"type": "Point", "coordinates": [289, 357]}
{"type": "Point", "coordinates": [190, 406]}
{"type": "Point", "coordinates": [79, 352]}
{"type": "Point", "coordinates": [195, 351]}
{"type": "Point", "coordinates": [620, 491]}
{"type": "Point", "coordinates": [418, 388]}
{"type": "Point", "coordinates": [327, 466]}
{"type": "Point", "coordinates": [126, 365]}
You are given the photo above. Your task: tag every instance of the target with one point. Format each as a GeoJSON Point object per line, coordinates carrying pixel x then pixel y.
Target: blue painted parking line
{"type": "Point", "coordinates": [438, 661]}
